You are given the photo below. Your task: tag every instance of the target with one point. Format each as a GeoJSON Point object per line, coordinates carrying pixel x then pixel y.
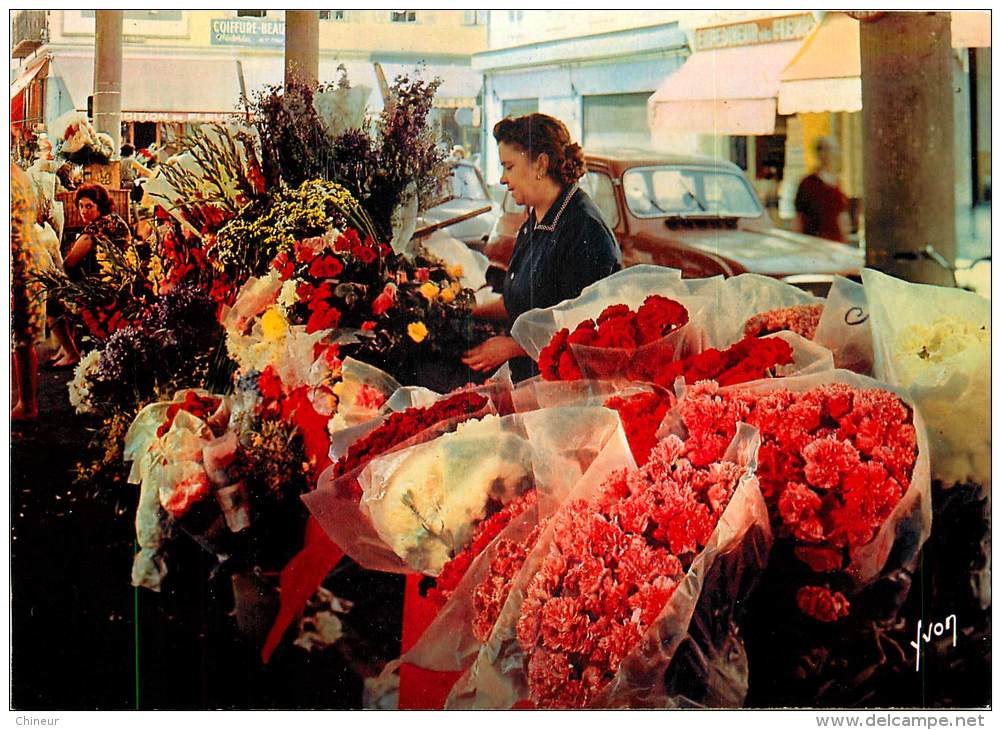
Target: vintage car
{"type": "Point", "coordinates": [692, 213]}
{"type": "Point", "coordinates": [468, 212]}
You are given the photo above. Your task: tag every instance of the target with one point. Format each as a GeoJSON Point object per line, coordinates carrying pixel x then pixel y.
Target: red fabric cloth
{"type": "Point", "coordinates": [300, 579]}
{"type": "Point", "coordinates": [306, 570]}
{"type": "Point", "coordinates": [820, 205]}
{"type": "Point", "coordinates": [420, 689]}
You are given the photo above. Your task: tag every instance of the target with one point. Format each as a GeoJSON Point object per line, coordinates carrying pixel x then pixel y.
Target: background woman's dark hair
{"type": "Point", "coordinates": [126, 150]}
{"type": "Point", "coordinates": [537, 133]}
{"type": "Point", "coordinates": [97, 193]}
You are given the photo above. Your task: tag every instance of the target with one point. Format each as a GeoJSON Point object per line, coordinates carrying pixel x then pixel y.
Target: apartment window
{"type": "Point", "coordinates": [172, 15]}
{"type": "Point", "coordinates": [403, 16]}
{"type": "Point", "coordinates": [512, 108]}
{"type": "Point", "coordinates": [251, 13]}
{"type": "Point", "coordinates": [474, 17]}
{"type": "Point", "coordinates": [515, 16]}
{"type": "Point", "coordinates": [331, 15]}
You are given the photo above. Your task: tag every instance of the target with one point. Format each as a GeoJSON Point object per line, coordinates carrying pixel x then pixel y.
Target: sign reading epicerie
{"type": "Point", "coordinates": [247, 32]}
{"type": "Point", "coordinates": [765, 30]}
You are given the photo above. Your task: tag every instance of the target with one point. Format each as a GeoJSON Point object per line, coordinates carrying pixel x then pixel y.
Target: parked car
{"type": "Point", "coordinates": [692, 213]}
{"type": "Point", "coordinates": [469, 206]}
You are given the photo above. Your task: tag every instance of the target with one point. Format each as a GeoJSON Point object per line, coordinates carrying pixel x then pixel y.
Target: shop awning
{"type": "Point", "coordinates": [459, 84]}
{"type": "Point", "coordinates": [159, 89]}
{"type": "Point", "coordinates": [722, 91]}
{"type": "Point", "coordinates": [29, 74]}
{"type": "Point", "coordinates": [824, 75]}
{"type": "Point", "coordinates": [971, 29]}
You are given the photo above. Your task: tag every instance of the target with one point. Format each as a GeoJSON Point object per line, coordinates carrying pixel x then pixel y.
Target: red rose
{"type": "Point", "coordinates": [283, 266]}
{"type": "Point", "coordinates": [269, 384]}
{"type": "Point", "coordinates": [326, 267]}
{"type": "Point", "coordinates": [323, 317]}
{"type": "Point", "coordinates": [363, 254]}
{"type": "Point", "coordinates": [304, 253]}
{"type": "Point", "coordinates": [422, 274]}
{"type": "Point", "coordinates": [305, 292]}
{"type": "Point", "coordinates": [368, 326]}
{"type": "Point", "coordinates": [347, 240]}
{"type": "Point", "coordinates": [385, 301]}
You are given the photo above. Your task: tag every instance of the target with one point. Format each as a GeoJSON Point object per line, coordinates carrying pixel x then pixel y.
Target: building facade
{"type": "Point", "coordinates": [191, 66]}
{"type": "Point", "coordinates": [753, 86]}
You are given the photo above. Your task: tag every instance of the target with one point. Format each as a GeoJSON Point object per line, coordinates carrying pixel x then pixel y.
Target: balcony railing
{"type": "Point", "coordinates": [28, 33]}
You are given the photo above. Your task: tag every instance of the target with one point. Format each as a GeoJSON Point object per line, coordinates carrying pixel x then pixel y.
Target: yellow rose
{"type": "Point", "coordinates": [429, 291]}
{"type": "Point", "coordinates": [273, 324]}
{"type": "Point", "coordinates": [417, 331]}
{"type": "Point", "coordinates": [447, 295]}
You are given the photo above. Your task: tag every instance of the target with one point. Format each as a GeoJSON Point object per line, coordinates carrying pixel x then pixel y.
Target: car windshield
{"type": "Point", "coordinates": [464, 183]}
{"type": "Point", "coordinates": [653, 192]}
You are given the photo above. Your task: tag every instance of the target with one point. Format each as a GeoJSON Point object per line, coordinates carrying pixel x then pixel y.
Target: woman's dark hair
{"type": "Point", "coordinates": [97, 193]}
{"type": "Point", "coordinates": [127, 150]}
{"type": "Point", "coordinates": [537, 133]}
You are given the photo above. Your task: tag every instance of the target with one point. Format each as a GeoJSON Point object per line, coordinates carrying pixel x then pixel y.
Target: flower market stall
{"type": "Point", "coordinates": [712, 486]}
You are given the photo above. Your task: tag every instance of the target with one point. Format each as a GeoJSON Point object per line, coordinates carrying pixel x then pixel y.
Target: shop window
{"type": "Point", "coordinates": [738, 152]}
{"type": "Point", "coordinates": [251, 13]}
{"type": "Point", "coordinates": [332, 15]}
{"type": "Point", "coordinates": [403, 16]}
{"type": "Point", "coordinates": [769, 156]}
{"type": "Point", "coordinates": [519, 107]}
{"type": "Point", "coordinates": [614, 121]}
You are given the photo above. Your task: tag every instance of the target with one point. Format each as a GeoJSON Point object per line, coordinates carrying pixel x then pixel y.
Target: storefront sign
{"type": "Point", "coordinates": [247, 32]}
{"type": "Point", "coordinates": [765, 30]}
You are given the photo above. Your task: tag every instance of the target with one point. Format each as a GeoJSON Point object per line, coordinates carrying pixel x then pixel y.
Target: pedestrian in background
{"type": "Point", "coordinates": [821, 207]}
{"type": "Point", "coordinates": [27, 308]}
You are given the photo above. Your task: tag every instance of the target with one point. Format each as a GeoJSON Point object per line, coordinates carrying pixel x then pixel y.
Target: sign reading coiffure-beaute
{"type": "Point", "coordinates": [247, 32]}
{"type": "Point", "coordinates": [752, 32]}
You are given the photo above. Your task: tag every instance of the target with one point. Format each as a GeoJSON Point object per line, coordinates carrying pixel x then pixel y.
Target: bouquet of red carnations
{"type": "Point", "coordinates": [638, 563]}
{"type": "Point", "coordinates": [618, 327]}
{"type": "Point", "coordinates": [620, 343]}
{"type": "Point", "coordinates": [471, 587]}
{"type": "Point", "coordinates": [843, 467]}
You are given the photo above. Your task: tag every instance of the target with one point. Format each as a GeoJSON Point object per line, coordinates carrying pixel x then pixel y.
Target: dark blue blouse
{"type": "Point", "coordinates": [556, 258]}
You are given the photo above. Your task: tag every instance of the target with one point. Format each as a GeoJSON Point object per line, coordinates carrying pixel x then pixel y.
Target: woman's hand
{"type": "Point", "coordinates": [491, 354]}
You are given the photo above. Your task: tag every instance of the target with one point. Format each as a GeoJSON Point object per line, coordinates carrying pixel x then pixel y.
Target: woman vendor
{"type": "Point", "coordinates": [563, 246]}
{"type": "Point", "coordinates": [103, 227]}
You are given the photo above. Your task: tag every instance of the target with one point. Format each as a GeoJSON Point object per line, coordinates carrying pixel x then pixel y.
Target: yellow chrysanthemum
{"type": "Point", "coordinates": [273, 324]}
{"type": "Point", "coordinates": [455, 271]}
{"type": "Point", "coordinates": [429, 291]}
{"type": "Point", "coordinates": [417, 331]}
{"type": "Point", "coordinates": [447, 295]}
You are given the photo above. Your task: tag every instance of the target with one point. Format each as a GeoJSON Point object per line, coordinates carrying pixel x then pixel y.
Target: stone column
{"type": "Point", "coordinates": [302, 45]}
{"type": "Point", "coordinates": [108, 74]}
{"type": "Point", "coordinates": [908, 160]}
